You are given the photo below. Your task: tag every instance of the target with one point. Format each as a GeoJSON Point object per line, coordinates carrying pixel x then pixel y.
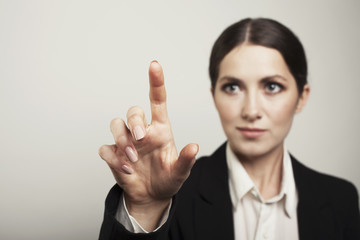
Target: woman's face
{"type": "Point", "coordinates": [256, 97]}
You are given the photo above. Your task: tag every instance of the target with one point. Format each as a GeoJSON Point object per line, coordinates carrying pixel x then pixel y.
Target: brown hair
{"type": "Point", "coordinates": [264, 32]}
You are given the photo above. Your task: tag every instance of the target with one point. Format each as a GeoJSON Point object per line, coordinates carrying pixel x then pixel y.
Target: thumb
{"type": "Point", "coordinates": [186, 160]}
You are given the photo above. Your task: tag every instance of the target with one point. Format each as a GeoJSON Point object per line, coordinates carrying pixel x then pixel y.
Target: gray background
{"type": "Point", "coordinates": [68, 67]}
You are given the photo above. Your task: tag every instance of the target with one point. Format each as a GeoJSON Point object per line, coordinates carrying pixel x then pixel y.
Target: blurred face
{"type": "Point", "coordinates": [256, 97]}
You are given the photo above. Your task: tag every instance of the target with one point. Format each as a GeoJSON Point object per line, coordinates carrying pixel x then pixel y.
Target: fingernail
{"type": "Point", "coordinates": [138, 133]}
{"type": "Point", "coordinates": [127, 169]}
{"type": "Point", "coordinates": [154, 61]}
{"type": "Point", "coordinates": [131, 154]}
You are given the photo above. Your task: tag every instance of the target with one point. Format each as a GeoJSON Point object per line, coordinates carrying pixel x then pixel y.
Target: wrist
{"type": "Point", "coordinates": [148, 214]}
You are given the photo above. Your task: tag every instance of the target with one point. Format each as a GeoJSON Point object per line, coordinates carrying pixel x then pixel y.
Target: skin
{"type": "Point", "coordinates": [144, 160]}
{"type": "Point", "coordinates": [256, 97]}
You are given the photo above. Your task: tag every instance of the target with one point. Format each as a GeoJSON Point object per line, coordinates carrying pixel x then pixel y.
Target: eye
{"type": "Point", "coordinates": [273, 87]}
{"type": "Point", "coordinates": [230, 88]}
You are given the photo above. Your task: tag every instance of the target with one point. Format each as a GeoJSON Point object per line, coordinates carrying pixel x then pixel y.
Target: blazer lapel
{"type": "Point", "coordinates": [213, 213]}
{"type": "Point", "coordinates": [314, 211]}
{"type": "Point", "coordinates": [213, 209]}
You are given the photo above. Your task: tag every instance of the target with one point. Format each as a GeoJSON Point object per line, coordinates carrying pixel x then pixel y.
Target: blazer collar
{"type": "Point", "coordinates": [314, 209]}
{"type": "Point", "coordinates": [213, 209]}
{"type": "Point", "coordinates": [214, 177]}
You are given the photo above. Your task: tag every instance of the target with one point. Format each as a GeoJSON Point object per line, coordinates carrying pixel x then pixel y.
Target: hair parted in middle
{"type": "Point", "coordinates": [264, 32]}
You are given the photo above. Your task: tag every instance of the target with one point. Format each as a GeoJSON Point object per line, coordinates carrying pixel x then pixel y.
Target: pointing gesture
{"type": "Point", "coordinates": [144, 159]}
{"type": "Point", "coordinates": [157, 93]}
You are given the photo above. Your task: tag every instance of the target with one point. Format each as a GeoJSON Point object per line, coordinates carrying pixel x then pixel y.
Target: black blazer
{"type": "Point", "coordinates": [328, 207]}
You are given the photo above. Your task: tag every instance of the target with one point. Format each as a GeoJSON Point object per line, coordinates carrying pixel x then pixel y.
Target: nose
{"type": "Point", "coordinates": [251, 108]}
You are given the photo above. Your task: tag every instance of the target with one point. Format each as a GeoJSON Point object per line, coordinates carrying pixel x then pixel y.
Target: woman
{"type": "Point", "coordinates": [251, 187]}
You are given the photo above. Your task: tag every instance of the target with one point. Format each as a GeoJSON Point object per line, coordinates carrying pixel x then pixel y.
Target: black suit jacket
{"type": "Point", "coordinates": [328, 207]}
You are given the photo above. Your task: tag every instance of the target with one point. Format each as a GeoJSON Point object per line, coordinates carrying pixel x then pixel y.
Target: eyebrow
{"type": "Point", "coordinates": [230, 79]}
{"type": "Point", "coordinates": [234, 79]}
{"type": "Point", "coordinates": [275, 76]}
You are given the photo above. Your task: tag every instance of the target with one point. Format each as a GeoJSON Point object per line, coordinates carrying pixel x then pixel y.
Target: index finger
{"type": "Point", "coordinates": [157, 93]}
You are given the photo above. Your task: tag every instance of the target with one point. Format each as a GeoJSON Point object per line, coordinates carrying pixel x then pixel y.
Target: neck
{"type": "Point", "coordinates": [265, 171]}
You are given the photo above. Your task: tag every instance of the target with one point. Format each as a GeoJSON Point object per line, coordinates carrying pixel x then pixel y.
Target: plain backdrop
{"type": "Point", "coordinates": [68, 67]}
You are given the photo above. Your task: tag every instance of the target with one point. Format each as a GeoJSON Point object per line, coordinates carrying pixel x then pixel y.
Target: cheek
{"type": "Point", "coordinates": [228, 110]}
{"type": "Point", "coordinates": [282, 112]}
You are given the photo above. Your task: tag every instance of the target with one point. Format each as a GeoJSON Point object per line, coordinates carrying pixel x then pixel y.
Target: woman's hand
{"type": "Point", "coordinates": [144, 159]}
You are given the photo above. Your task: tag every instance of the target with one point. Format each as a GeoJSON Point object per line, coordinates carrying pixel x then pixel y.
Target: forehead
{"type": "Point", "coordinates": [248, 61]}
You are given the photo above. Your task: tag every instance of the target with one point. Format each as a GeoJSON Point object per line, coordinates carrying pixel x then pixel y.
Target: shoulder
{"type": "Point", "coordinates": [325, 195]}
{"type": "Point", "coordinates": [315, 182]}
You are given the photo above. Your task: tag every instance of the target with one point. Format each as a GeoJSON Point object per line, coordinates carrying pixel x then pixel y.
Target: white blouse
{"type": "Point", "coordinates": [254, 218]}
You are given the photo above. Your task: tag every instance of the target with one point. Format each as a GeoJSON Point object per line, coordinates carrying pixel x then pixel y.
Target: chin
{"type": "Point", "coordinates": [251, 149]}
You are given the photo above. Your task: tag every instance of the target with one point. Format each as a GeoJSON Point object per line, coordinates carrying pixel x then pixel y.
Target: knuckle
{"type": "Point", "coordinates": [132, 120]}
{"type": "Point", "coordinates": [116, 121]}
{"type": "Point", "coordinates": [121, 140]}
{"type": "Point", "coordinates": [102, 151]}
{"type": "Point", "coordinates": [134, 110]}
{"type": "Point", "coordinates": [118, 127]}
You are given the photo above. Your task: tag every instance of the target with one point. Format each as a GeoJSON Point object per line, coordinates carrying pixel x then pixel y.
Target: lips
{"type": "Point", "coordinates": [251, 132]}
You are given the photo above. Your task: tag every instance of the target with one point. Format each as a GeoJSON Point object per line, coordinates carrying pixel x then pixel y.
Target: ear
{"type": "Point", "coordinates": [303, 99]}
{"type": "Point", "coordinates": [212, 91]}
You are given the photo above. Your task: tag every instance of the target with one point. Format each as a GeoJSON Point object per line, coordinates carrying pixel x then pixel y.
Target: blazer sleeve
{"type": "Point", "coordinates": [112, 229]}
